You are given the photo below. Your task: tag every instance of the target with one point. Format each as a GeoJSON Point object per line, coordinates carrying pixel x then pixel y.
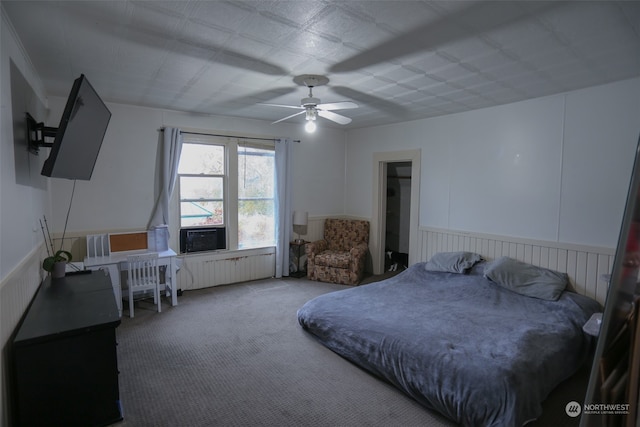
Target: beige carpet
{"type": "Point", "coordinates": [236, 356]}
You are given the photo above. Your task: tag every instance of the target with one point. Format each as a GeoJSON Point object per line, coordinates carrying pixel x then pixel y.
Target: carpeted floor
{"type": "Point", "coordinates": [236, 356]}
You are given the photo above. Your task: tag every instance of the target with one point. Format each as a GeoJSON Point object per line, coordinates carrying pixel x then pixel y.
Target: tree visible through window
{"type": "Point", "coordinates": [256, 193]}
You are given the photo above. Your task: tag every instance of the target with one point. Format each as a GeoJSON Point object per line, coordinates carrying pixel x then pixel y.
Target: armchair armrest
{"type": "Point", "coordinates": [314, 248]}
{"type": "Point", "coordinates": [358, 255]}
{"type": "Point", "coordinates": [359, 250]}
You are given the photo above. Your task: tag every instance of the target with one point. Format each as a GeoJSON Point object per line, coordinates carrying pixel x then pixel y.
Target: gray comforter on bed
{"type": "Point", "coordinates": [460, 344]}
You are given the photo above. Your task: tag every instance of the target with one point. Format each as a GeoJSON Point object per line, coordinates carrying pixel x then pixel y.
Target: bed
{"type": "Point", "coordinates": [477, 351]}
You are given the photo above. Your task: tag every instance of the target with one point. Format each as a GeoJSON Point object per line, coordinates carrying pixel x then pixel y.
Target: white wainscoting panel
{"type": "Point", "coordinates": [315, 229]}
{"type": "Point", "coordinates": [17, 290]}
{"type": "Point", "coordinates": [585, 265]}
{"type": "Point", "coordinates": [206, 269]}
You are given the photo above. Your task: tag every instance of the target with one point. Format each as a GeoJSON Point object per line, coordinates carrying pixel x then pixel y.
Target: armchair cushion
{"type": "Point", "coordinates": [337, 259]}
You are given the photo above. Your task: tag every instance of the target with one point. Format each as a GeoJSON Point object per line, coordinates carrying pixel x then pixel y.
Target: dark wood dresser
{"type": "Point", "coordinates": [65, 365]}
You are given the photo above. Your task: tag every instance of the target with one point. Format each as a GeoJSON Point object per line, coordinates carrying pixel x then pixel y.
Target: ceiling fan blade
{"type": "Point", "coordinates": [334, 117]}
{"type": "Point", "coordinates": [297, 107]}
{"type": "Point", "coordinates": [383, 105]}
{"type": "Point", "coordinates": [288, 117]}
{"type": "Point", "coordinates": [338, 105]}
{"type": "Point", "coordinates": [478, 18]}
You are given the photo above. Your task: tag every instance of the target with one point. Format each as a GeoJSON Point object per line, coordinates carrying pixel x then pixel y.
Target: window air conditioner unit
{"type": "Point", "coordinates": [202, 239]}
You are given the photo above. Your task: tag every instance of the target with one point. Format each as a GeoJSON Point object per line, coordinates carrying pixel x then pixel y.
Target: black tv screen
{"type": "Point", "coordinates": [79, 136]}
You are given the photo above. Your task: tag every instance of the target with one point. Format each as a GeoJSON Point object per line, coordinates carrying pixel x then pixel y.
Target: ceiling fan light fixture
{"type": "Point", "coordinates": [310, 126]}
{"type": "Point", "coordinates": [310, 117]}
{"type": "Point", "coordinates": [311, 113]}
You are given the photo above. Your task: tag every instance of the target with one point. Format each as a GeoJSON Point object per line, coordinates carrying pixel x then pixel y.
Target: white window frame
{"type": "Point", "coordinates": [230, 181]}
{"type": "Point", "coordinates": [240, 144]}
{"type": "Point", "coordinates": [224, 177]}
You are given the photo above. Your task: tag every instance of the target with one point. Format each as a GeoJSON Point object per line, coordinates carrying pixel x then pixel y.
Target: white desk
{"type": "Point", "coordinates": [116, 262]}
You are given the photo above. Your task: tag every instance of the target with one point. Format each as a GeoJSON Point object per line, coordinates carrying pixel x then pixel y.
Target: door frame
{"type": "Point", "coordinates": [378, 219]}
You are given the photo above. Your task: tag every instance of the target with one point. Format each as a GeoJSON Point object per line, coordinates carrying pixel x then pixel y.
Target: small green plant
{"type": "Point", "coordinates": [59, 256]}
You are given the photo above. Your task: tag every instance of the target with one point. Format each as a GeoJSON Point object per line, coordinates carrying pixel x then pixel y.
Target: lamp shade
{"type": "Point", "coordinates": [300, 218]}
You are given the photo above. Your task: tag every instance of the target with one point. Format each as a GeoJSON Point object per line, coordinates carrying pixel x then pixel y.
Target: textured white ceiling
{"type": "Point", "coordinates": [398, 60]}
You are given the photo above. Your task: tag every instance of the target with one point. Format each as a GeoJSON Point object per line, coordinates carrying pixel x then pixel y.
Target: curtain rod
{"type": "Point", "coordinates": [232, 136]}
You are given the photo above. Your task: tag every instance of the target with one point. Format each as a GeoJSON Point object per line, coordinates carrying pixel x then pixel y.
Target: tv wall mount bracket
{"type": "Point", "coordinates": [37, 133]}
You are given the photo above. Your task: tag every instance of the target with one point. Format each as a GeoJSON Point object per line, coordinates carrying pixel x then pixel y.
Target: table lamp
{"type": "Point", "coordinates": [300, 220]}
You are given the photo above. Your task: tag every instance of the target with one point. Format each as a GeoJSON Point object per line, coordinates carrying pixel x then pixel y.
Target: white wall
{"type": "Point", "coordinates": [23, 192]}
{"type": "Point", "coordinates": [23, 196]}
{"type": "Point", "coordinates": [555, 168]}
{"type": "Point", "coordinates": [602, 126]}
{"type": "Point", "coordinates": [120, 194]}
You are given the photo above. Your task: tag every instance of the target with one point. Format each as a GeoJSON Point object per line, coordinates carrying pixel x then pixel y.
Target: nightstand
{"type": "Point", "coordinates": [296, 252]}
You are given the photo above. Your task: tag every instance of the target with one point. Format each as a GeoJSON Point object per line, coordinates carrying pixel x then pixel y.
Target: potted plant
{"type": "Point", "coordinates": [57, 263]}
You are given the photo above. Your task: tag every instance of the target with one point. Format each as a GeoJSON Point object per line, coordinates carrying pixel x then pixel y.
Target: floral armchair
{"type": "Point", "coordinates": [340, 256]}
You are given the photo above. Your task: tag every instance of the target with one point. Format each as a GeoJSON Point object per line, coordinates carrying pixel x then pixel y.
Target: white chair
{"type": "Point", "coordinates": [143, 275]}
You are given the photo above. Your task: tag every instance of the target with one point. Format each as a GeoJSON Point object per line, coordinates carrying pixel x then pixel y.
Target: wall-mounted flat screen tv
{"type": "Point", "coordinates": [79, 136]}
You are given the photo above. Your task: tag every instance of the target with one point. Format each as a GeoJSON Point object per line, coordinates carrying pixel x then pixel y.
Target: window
{"type": "Point", "coordinates": [202, 180]}
{"type": "Point", "coordinates": [256, 196]}
{"type": "Point", "coordinates": [223, 182]}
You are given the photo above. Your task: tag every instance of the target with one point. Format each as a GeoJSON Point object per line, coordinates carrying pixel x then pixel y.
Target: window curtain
{"type": "Point", "coordinates": [283, 205]}
{"type": "Point", "coordinates": [171, 145]}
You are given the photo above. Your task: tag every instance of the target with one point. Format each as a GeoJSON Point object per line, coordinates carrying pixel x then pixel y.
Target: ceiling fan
{"type": "Point", "coordinates": [312, 107]}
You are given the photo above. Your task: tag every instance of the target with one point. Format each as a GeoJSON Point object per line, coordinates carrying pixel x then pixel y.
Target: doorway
{"type": "Point", "coordinates": [398, 210]}
{"type": "Point", "coordinates": [409, 162]}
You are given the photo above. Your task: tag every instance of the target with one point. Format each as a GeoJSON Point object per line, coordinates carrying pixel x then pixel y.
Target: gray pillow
{"type": "Point", "coordinates": [452, 262]}
{"type": "Point", "coordinates": [526, 279]}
